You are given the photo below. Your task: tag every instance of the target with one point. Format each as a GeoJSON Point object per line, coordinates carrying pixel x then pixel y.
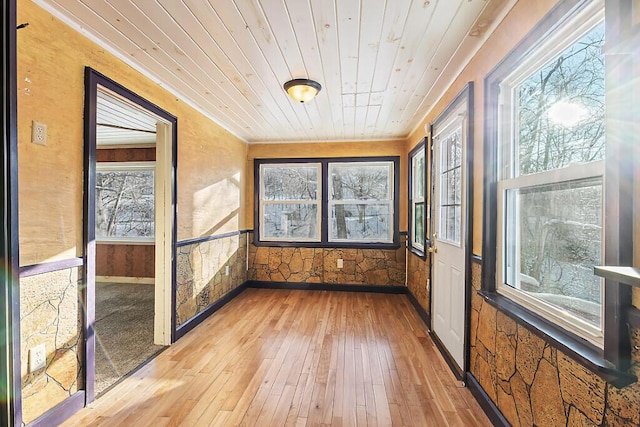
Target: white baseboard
{"type": "Point", "coordinates": [129, 280]}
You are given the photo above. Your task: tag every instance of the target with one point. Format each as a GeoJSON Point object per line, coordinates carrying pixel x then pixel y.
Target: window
{"type": "Point", "coordinates": [417, 202]}
{"type": "Point", "coordinates": [361, 202]}
{"type": "Point", "coordinates": [550, 179]}
{"type": "Point", "coordinates": [289, 203]}
{"type": "Point", "coordinates": [327, 202]}
{"type": "Point", "coordinates": [125, 201]}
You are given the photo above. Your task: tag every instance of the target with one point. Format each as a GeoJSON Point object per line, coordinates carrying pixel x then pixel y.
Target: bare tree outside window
{"type": "Point", "coordinates": [289, 201]}
{"type": "Point", "coordinates": [125, 204]}
{"type": "Point", "coordinates": [554, 231]}
{"type": "Point", "coordinates": [361, 200]}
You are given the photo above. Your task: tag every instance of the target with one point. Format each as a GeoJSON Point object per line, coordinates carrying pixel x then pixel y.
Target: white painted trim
{"type": "Point", "coordinates": [125, 166]}
{"type": "Point", "coordinates": [126, 280]}
{"type": "Point", "coordinates": [332, 141]}
{"type": "Point", "coordinates": [163, 233]}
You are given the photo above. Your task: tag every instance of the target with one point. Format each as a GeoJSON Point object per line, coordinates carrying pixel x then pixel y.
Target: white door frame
{"type": "Point", "coordinates": [464, 101]}
{"type": "Point", "coordinates": [162, 328]}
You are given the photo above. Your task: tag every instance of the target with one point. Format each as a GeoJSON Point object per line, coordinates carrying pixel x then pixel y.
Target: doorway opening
{"type": "Point", "coordinates": [129, 296]}
{"type": "Point", "coordinates": [125, 205]}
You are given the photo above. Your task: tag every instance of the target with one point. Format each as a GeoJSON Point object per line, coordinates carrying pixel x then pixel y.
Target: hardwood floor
{"type": "Point", "coordinates": [295, 358]}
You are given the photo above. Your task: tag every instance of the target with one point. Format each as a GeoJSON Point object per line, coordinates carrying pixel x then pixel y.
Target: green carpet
{"type": "Point", "coordinates": [124, 330]}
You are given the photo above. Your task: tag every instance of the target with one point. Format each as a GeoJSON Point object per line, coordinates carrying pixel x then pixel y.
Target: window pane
{"type": "Point", "coordinates": [418, 176]}
{"type": "Point", "coordinates": [360, 182]}
{"type": "Point", "coordinates": [453, 144]}
{"type": "Point", "coordinates": [125, 204]}
{"type": "Point", "coordinates": [289, 182]}
{"type": "Point", "coordinates": [554, 238]}
{"type": "Point", "coordinates": [361, 222]}
{"type": "Point", "coordinates": [290, 220]}
{"type": "Point", "coordinates": [418, 224]}
{"type": "Point", "coordinates": [560, 109]}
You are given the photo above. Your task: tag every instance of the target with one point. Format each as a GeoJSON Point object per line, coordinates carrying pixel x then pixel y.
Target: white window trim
{"type": "Point", "coordinates": [126, 167]}
{"type": "Point", "coordinates": [415, 199]}
{"type": "Point", "coordinates": [317, 201]}
{"type": "Point", "coordinates": [590, 17]}
{"type": "Point", "coordinates": [389, 201]}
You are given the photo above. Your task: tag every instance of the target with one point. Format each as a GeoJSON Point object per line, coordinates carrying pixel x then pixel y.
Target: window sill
{"type": "Point", "coordinates": [125, 242]}
{"type": "Point", "coordinates": [578, 349]}
{"type": "Point", "coordinates": [417, 252]}
{"type": "Point", "coordinates": [626, 275]}
{"type": "Point", "coordinates": [340, 245]}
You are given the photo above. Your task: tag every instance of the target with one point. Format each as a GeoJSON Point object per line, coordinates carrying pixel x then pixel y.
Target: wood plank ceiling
{"type": "Point", "coordinates": [381, 63]}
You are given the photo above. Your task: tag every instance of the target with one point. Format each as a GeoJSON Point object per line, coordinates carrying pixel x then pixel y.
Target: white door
{"type": "Point", "coordinates": [448, 250]}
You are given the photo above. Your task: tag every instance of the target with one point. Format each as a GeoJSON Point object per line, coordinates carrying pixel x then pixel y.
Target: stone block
{"type": "Point", "coordinates": [508, 407]}
{"type": "Point", "coordinates": [578, 419]}
{"type": "Point", "coordinates": [522, 400]}
{"type": "Point", "coordinates": [529, 351]}
{"type": "Point", "coordinates": [582, 388]}
{"type": "Point", "coordinates": [505, 357]}
{"type": "Point", "coordinates": [546, 400]}
{"type": "Point", "coordinates": [487, 327]}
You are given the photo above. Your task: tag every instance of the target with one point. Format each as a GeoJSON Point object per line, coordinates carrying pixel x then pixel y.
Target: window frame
{"type": "Point", "coordinates": [612, 361]}
{"type": "Point", "coordinates": [128, 167]}
{"type": "Point", "coordinates": [510, 178]}
{"type": "Point", "coordinates": [317, 201]}
{"type": "Point", "coordinates": [324, 206]}
{"type": "Point", "coordinates": [417, 249]}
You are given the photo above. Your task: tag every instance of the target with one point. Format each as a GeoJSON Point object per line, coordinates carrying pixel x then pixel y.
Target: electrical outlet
{"type": "Point", "coordinates": [226, 270]}
{"type": "Point", "coordinates": [37, 357]}
{"type": "Point", "coordinates": [38, 133]}
{"type": "Point", "coordinates": [340, 263]}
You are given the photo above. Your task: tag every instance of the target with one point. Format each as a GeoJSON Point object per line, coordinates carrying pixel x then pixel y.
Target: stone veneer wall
{"type": "Point", "coordinates": [50, 314]}
{"type": "Point", "coordinates": [319, 265]}
{"type": "Point", "coordinates": [200, 276]}
{"type": "Point", "coordinates": [417, 276]}
{"type": "Point", "coordinates": [533, 383]}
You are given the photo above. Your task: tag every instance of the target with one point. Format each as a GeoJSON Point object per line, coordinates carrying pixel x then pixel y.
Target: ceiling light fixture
{"type": "Point", "coordinates": [302, 90]}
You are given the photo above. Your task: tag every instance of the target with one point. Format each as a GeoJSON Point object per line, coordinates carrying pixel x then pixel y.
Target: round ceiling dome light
{"type": "Point", "coordinates": [302, 90]}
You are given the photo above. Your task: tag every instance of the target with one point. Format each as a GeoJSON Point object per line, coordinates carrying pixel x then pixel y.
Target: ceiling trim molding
{"type": "Point", "coordinates": [454, 76]}
{"type": "Point", "coordinates": [331, 141]}
{"type": "Point", "coordinates": [151, 76]}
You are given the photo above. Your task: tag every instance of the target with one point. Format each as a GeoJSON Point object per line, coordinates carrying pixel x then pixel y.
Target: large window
{"type": "Point", "coordinates": [125, 202]}
{"type": "Point", "coordinates": [327, 202]}
{"type": "Point", "coordinates": [550, 181]}
{"type": "Point", "coordinates": [289, 207]}
{"type": "Point", "coordinates": [417, 199]}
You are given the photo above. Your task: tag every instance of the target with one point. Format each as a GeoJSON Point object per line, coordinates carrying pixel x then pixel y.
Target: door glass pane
{"type": "Point", "coordinates": [450, 196]}
{"type": "Point", "coordinates": [553, 240]}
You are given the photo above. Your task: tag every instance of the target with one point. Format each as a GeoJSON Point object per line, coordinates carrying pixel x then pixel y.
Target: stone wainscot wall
{"type": "Point", "coordinates": [201, 277]}
{"type": "Point", "coordinates": [533, 383]}
{"type": "Point", "coordinates": [51, 315]}
{"type": "Point", "coordinates": [319, 265]}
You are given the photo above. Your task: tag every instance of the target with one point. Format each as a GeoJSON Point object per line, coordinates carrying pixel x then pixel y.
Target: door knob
{"type": "Point", "coordinates": [432, 249]}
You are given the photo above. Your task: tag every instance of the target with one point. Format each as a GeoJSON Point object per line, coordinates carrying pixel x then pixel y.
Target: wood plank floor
{"type": "Point", "coordinates": [295, 358]}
